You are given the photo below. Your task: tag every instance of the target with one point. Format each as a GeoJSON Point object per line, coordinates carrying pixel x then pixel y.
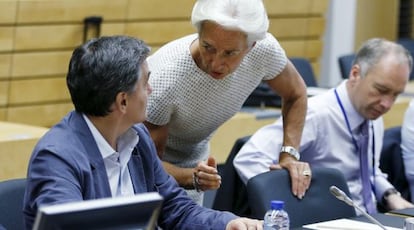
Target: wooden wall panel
{"type": "Point", "coordinates": [144, 9]}
{"type": "Point", "coordinates": [278, 8]}
{"type": "Point", "coordinates": [6, 38]}
{"type": "Point", "coordinates": [35, 64]}
{"type": "Point", "coordinates": [371, 20]}
{"type": "Point", "coordinates": [319, 7]}
{"type": "Point", "coordinates": [281, 7]}
{"type": "Point", "coordinates": [3, 112]}
{"type": "Point", "coordinates": [8, 11]}
{"type": "Point", "coordinates": [48, 37]}
{"type": "Point", "coordinates": [40, 11]}
{"type": "Point", "coordinates": [316, 27]}
{"type": "Point", "coordinates": [37, 38]}
{"type": "Point", "coordinates": [46, 90]}
{"type": "Point", "coordinates": [316, 66]}
{"type": "Point", "coordinates": [301, 28]}
{"type": "Point", "coordinates": [293, 48]}
{"type": "Point", "coordinates": [5, 66]}
{"type": "Point", "coordinates": [4, 92]}
{"type": "Point", "coordinates": [311, 49]}
{"type": "Point", "coordinates": [163, 32]}
{"type": "Point", "coordinates": [112, 29]}
{"type": "Point", "coordinates": [40, 115]}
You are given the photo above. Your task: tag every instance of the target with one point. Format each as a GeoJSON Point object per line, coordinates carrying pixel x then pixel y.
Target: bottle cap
{"type": "Point", "coordinates": [277, 204]}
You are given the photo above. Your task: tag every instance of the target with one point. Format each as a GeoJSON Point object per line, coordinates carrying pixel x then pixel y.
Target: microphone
{"type": "Point", "coordinates": [340, 195]}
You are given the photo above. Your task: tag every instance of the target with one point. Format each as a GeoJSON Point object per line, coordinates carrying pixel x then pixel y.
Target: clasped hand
{"type": "Point", "coordinates": [206, 175]}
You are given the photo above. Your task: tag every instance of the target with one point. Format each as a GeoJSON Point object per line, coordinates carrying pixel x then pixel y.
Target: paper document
{"type": "Point", "coordinates": [345, 224]}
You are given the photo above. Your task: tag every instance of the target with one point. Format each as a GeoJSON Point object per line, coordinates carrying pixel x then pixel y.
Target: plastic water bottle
{"type": "Point", "coordinates": [276, 218]}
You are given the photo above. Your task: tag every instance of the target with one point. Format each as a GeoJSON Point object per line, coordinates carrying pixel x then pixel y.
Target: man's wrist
{"type": "Point", "coordinates": [291, 151]}
{"type": "Point", "coordinates": [389, 192]}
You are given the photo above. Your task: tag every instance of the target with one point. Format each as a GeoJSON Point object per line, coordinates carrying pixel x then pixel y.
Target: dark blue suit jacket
{"type": "Point", "coordinates": [66, 165]}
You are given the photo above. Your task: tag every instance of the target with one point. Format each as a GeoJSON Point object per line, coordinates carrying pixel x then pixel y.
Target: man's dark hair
{"type": "Point", "coordinates": [101, 68]}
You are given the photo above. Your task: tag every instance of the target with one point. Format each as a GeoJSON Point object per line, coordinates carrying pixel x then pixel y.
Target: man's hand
{"type": "Point", "coordinates": [396, 202]}
{"type": "Point", "coordinates": [300, 174]}
{"type": "Point", "coordinates": [245, 224]}
{"type": "Point", "coordinates": [206, 175]}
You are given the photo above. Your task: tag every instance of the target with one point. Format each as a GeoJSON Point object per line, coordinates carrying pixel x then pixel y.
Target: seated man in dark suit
{"type": "Point", "coordinates": [96, 151]}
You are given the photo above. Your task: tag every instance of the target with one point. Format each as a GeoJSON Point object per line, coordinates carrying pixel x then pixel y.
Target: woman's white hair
{"type": "Point", "coordinates": [248, 16]}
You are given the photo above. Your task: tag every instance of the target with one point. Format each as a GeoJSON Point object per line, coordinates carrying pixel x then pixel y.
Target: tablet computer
{"type": "Point", "coordinates": [139, 211]}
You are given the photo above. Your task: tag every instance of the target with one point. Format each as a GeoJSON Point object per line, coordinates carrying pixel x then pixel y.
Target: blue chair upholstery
{"type": "Point", "coordinates": [345, 64]}
{"type": "Point", "coordinates": [264, 95]}
{"type": "Point", "coordinates": [11, 203]}
{"type": "Point", "coordinates": [304, 67]}
{"type": "Point", "coordinates": [318, 204]}
{"type": "Point", "coordinates": [391, 161]}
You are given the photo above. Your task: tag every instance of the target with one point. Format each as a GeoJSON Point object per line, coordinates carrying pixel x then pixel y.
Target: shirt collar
{"type": "Point", "coordinates": [354, 117]}
{"type": "Point", "coordinates": [128, 140]}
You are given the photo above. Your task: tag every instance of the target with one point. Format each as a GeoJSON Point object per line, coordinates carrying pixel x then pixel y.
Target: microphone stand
{"type": "Point", "coordinates": [340, 195]}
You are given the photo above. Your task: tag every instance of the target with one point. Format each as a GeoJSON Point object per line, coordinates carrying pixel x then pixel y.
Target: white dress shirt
{"type": "Point", "coordinates": [116, 162]}
{"type": "Point", "coordinates": [326, 142]}
{"type": "Point", "coordinates": [407, 145]}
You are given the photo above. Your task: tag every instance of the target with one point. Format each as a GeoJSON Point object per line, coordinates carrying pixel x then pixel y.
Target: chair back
{"type": "Point", "coordinates": [263, 95]}
{"type": "Point", "coordinates": [318, 204]}
{"type": "Point", "coordinates": [11, 203]}
{"type": "Point", "coordinates": [345, 64]}
{"type": "Point", "coordinates": [232, 194]}
{"type": "Point", "coordinates": [304, 68]}
{"type": "Point", "coordinates": [391, 161]}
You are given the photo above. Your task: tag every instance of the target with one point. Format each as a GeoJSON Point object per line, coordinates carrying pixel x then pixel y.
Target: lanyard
{"type": "Point", "coordinates": [354, 140]}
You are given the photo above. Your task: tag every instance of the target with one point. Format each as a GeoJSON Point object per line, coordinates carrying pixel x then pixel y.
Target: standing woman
{"type": "Point", "coordinates": [201, 80]}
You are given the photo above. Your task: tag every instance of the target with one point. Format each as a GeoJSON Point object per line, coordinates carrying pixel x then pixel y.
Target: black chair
{"type": "Point", "coordinates": [263, 95]}
{"type": "Point", "coordinates": [318, 204]}
{"type": "Point", "coordinates": [345, 64]}
{"type": "Point", "coordinates": [391, 161]}
{"type": "Point", "coordinates": [232, 194]}
{"type": "Point", "coordinates": [11, 203]}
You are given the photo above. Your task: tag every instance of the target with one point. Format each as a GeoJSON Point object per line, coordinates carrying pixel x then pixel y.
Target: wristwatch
{"type": "Point", "coordinates": [291, 151]}
{"type": "Point", "coordinates": [388, 193]}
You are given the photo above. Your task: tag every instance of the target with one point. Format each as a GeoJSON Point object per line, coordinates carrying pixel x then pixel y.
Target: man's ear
{"type": "Point", "coordinates": [355, 73]}
{"type": "Point", "coordinates": [121, 101]}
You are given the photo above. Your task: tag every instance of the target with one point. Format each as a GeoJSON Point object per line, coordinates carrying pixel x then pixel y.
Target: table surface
{"type": "Point", "coordinates": [385, 219]}
{"type": "Point", "coordinates": [16, 145]}
{"type": "Point", "coordinates": [407, 212]}
{"type": "Point", "coordinates": [13, 131]}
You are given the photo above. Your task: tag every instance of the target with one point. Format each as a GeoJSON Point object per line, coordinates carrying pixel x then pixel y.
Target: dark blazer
{"type": "Point", "coordinates": [66, 165]}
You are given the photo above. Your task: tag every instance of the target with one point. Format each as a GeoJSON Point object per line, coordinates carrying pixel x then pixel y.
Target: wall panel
{"type": "Point", "coordinates": [3, 112]}
{"type": "Point", "coordinates": [63, 11]}
{"type": "Point", "coordinates": [46, 90]}
{"type": "Point", "coordinates": [40, 115]}
{"type": "Point", "coordinates": [159, 32]}
{"type": "Point", "coordinates": [164, 10]}
{"type": "Point", "coordinates": [37, 38]}
{"type": "Point", "coordinates": [40, 64]}
{"type": "Point", "coordinates": [8, 11]}
{"type": "Point", "coordinates": [6, 38]}
{"type": "Point", "coordinates": [5, 65]}
{"type": "Point", "coordinates": [4, 91]}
